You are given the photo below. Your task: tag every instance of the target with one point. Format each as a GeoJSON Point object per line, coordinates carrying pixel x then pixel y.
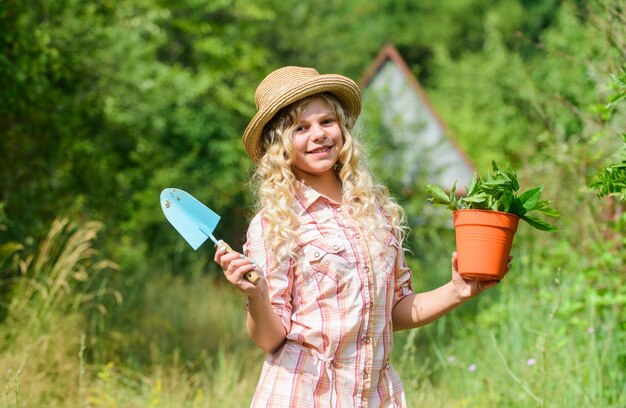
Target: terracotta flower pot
{"type": "Point", "coordinates": [483, 242]}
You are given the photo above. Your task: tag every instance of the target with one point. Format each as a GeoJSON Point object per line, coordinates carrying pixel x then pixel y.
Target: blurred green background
{"type": "Point", "coordinates": [105, 103]}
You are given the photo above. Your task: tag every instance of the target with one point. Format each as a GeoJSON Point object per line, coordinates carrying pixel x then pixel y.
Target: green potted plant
{"type": "Point", "coordinates": [486, 219]}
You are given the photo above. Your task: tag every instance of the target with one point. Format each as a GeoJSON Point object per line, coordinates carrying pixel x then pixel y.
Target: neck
{"type": "Point", "coordinates": [327, 185]}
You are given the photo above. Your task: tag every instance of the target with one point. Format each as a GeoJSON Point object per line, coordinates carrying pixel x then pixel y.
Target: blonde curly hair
{"type": "Point", "coordinates": [275, 182]}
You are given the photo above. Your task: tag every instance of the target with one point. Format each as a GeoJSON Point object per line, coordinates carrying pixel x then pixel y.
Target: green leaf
{"type": "Point", "coordinates": [517, 207]}
{"type": "Point", "coordinates": [437, 193]}
{"type": "Point", "coordinates": [495, 167]}
{"type": "Point", "coordinates": [498, 192]}
{"type": "Point", "coordinates": [453, 192]}
{"type": "Point", "coordinates": [531, 198]}
{"type": "Point", "coordinates": [473, 184]}
{"type": "Point", "coordinates": [545, 208]}
{"type": "Point", "coordinates": [539, 224]}
{"type": "Point", "coordinates": [478, 198]}
{"type": "Point", "coordinates": [506, 201]}
{"type": "Point", "coordinates": [439, 197]}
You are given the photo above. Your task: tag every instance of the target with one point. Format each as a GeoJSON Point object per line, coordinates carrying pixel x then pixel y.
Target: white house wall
{"type": "Point", "coordinates": [414, 126]}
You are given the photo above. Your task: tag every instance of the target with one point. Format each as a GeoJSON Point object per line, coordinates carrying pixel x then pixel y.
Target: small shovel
{"type": "Point", "coordinates": [194, 221]}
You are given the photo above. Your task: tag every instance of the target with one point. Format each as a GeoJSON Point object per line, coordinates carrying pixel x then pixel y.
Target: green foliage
{"type": "Point", "coordinates": [611, 180]}
{"type": "Point", "coordinates": [103, 104]}
{"type": "Point", "coordinates": [58, 290]}
{"type": "Point", "coordinates": [498, 192]}
{"type": "Point", "coordinates": [108, 103]}
{"type": "Point", "coordinates": [518, 96]}
{"type": "Point", "coordinates": [619, 94]}
{"type": "Point", "coordinates": [65, 275]}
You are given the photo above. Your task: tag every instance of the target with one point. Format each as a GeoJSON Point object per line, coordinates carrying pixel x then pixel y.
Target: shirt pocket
{"type": "Point", "coordinates": [326, 258]}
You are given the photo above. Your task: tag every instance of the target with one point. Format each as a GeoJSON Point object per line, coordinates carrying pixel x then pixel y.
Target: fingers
{"type": "Point", "coordinates": [238, 269]}
{"type": "Point", "coordinates": [488, 284]}
{"type": "Point", "coordinates": [508, 265]}
{"type": "Point", "coordinates": [455, 262]}
{"type": "Point", "coordinates": [235, 265]}
{"type": "Point", "coordinates": [223, 257]}
{"type": "Point", "coordinates": [231, 261]}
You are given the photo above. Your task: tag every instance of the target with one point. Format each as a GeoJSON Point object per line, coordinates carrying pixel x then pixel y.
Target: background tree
{"type": "Point", "coordinates": [105, 103]}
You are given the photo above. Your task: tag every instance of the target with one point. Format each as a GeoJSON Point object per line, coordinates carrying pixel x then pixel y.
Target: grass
{"type": "Point", "coordinates": [551, 335]}
{"type": "Point", "coordinates": [517, 354]}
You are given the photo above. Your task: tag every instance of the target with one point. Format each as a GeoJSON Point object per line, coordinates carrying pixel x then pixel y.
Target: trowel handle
{"type": "Point", "coordinates": [251, 276]}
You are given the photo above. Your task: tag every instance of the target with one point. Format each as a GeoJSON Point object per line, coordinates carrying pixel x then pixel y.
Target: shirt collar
{"type": "Point", "coordinates": [306, 196]}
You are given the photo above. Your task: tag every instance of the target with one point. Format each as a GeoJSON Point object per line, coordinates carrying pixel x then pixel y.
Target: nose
{"type": "Point", "coordinates": [317, 132]}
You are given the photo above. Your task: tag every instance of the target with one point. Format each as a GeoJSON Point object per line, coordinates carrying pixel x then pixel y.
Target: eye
{"type": "Point", "coordinates": [299, 129]}
{"type": "Point", "coordinates": [328, 121]}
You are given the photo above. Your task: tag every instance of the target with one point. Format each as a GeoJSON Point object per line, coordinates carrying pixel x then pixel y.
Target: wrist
{"type": "Point", "coordinates": [256, 298]}
{"type": "Point", "coordinates": [456, 295]}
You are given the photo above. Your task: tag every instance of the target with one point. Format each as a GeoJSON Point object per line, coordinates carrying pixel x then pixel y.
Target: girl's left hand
{"type": "Point", "coordinates": [468, 288]}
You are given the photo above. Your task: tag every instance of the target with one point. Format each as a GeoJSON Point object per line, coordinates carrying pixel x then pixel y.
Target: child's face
{"type": "Point", "coordinates": [317, 140]}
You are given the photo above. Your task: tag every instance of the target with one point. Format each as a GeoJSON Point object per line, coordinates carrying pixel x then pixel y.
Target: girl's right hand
{"type": "Point", "coordinates": [469, 288]}
{"type": "Point", "coordinates": [235, 265]}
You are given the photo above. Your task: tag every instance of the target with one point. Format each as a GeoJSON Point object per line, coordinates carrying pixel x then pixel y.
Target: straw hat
{"type": "Point", "coordinates": [288, 85]}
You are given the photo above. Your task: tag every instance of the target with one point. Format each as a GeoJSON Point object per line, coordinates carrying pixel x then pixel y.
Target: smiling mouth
{"type": "Point", "coordinates": [322, 149]}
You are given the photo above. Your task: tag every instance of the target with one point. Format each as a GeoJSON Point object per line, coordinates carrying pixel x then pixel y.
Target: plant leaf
{"type": "Point", "coordinates": [539, 224]}
{"type": "Point", "coordinates": [473, 183]}
{"type": "Point", "coordinates": [439, 197]}
{"type": "Point", "coordinates": [531, 198]}
{"type": "Point", "coordinates": [498, 192]}
{"type": "Point", "coordinates": [477, 198]}
{"type": "Point", "coordinates": [545, 208]}
{"type": "Point", "coordinates": [453, 192]}
{"type": "Point", "coordinates": [507, 200]}
{"type": "Point", "coordinates": [517, 207]}
{"type": "Point", "coordinates": [495, 167]}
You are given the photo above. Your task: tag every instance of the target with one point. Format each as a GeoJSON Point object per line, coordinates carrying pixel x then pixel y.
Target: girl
{"type": "Point", "coordinates": [327, 243]}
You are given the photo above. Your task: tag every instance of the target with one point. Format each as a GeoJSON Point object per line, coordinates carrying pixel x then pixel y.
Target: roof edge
{"type": "Point", "coordinates": [389, 52]}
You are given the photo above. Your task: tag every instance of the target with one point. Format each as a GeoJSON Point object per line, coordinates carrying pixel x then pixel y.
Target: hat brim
{"type": "Point", "coordinates": [344, 89]}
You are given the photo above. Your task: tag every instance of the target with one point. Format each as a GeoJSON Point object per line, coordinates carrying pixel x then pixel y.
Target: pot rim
{"type": "Point", "coordinates": [486, 211]}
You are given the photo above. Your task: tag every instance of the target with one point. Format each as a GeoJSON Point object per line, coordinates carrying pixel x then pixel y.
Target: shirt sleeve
{"type": "Point", "coordinates": [279, 276]}
{"type": "Point", "coordinates": [403, 274]}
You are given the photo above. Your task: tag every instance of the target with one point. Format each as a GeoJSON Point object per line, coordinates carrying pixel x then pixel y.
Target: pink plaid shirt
{"type": "Point", "coordinates": [335, 303]}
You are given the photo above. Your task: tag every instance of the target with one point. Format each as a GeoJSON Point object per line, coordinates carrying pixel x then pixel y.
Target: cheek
{"type": "Point", "coordinates": [339, 140]}
{"type": "Point", "coordinates": [299, 144]}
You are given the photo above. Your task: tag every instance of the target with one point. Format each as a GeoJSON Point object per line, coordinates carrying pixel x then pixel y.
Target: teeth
{"type": "Point", "coordinates": [321, 149]}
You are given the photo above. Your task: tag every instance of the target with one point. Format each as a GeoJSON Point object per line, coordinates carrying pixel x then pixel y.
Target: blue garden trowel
{"type": "Point", "coordinates": [194, 221]}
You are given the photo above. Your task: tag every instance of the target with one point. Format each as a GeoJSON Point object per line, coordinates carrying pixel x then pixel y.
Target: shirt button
{"type": "Point", "coordinates": [357, 235]}
{"type": "Point", "coordinates": [366, 269]}
{"type": "Point", "coordinates": [339, 209]}
{"type": "Point", "coordinates": [367, 339]}
{"type": "Point", "coordinates": [369, 305]}
{"type": "Point", "coordinates": [335, 247]}
{"type": "Point", "coordinates": [365, 375]}
{"type": "Point", "coordinates": [317, 254]}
